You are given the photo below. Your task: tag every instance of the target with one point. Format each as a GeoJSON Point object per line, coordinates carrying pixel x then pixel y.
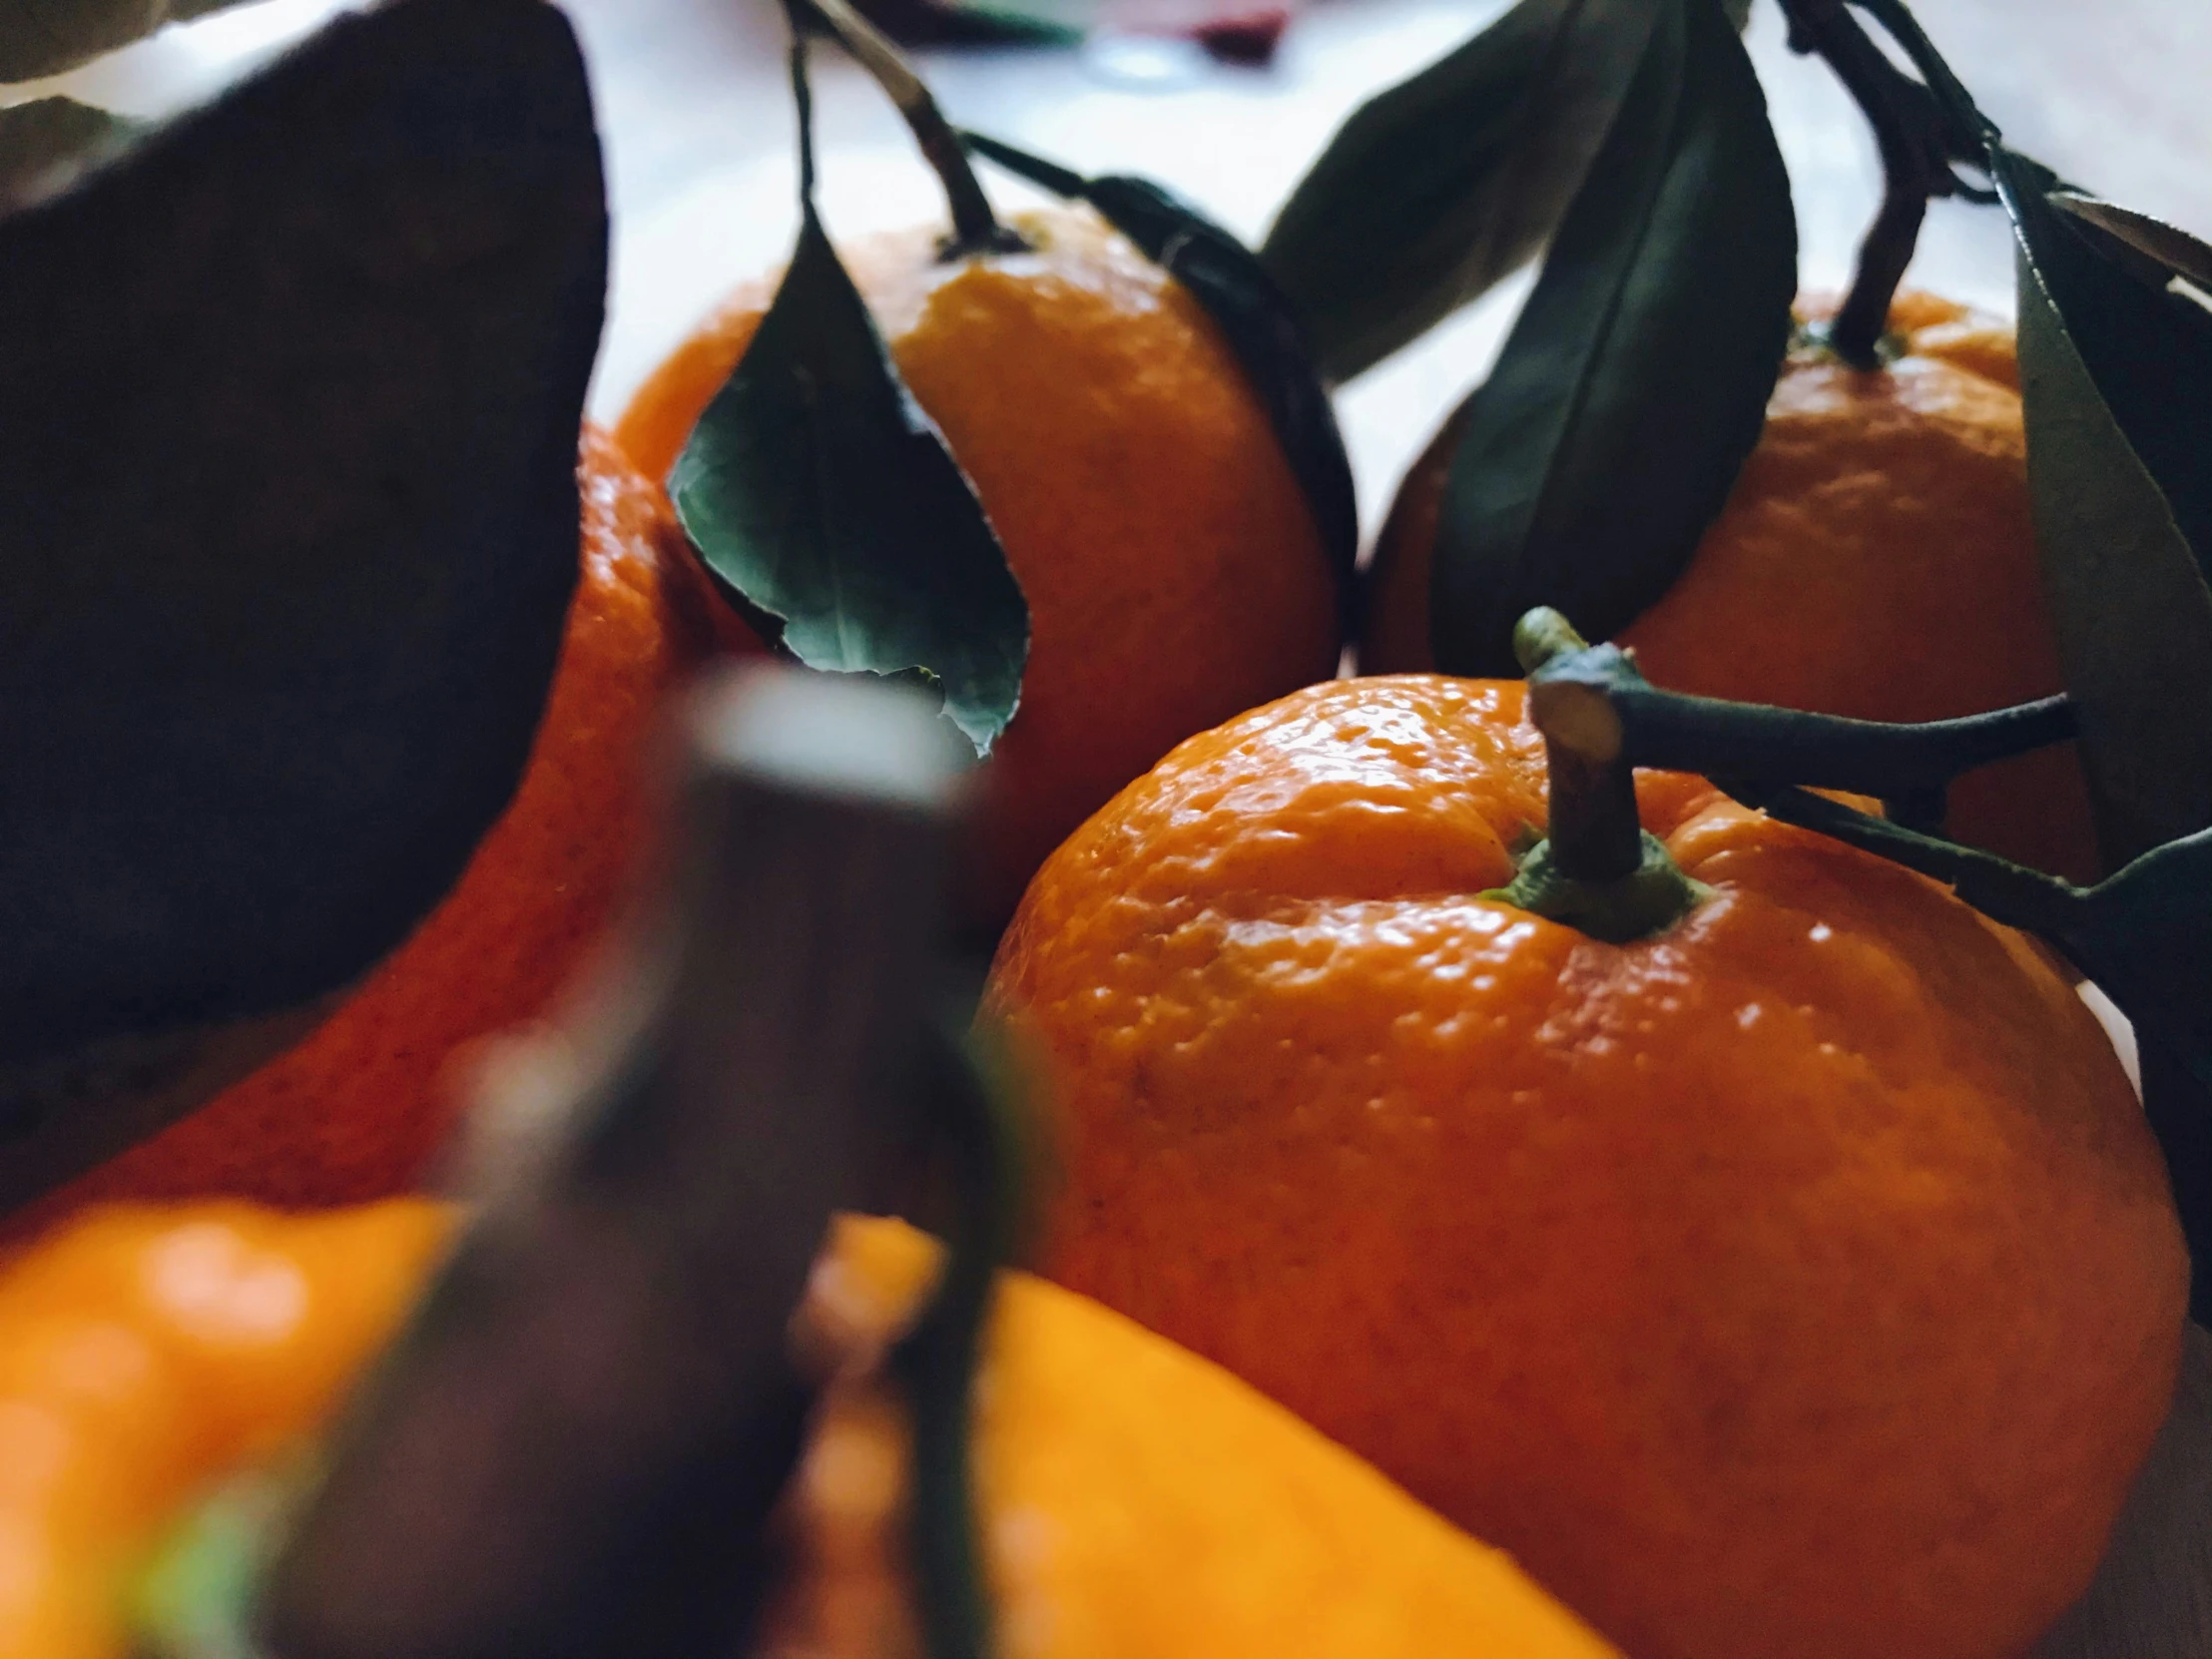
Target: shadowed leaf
{"type": "Point", "coordinates": [1636, 381]}
{"type": "Point", "coordinates": [45, 37]}
{"type": "Point", "coordinates": [2168, 252]}
{"type": "Point", "coordinates": [2116, 392]}
{"type": "Point", "coordinates": [817, 488]}
{"type": "Point", "coordinates": [1436, 189]}
{"type": "Point", "coordinates": [2117, 384]}
{"type": "Point", "coordinates": [289, 405]}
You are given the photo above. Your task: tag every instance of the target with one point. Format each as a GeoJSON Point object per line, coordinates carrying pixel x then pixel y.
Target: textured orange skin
{"type": "Point", "coordinates": [1799, 1284]}
{"type": "Point", "coordinates": [1136, 1501]}
{"type": "Point", "coordinates": [1876, 559]}
{"type": "Point", "coordinates": [1172, 568]}
{"type": "Point", "coordinates": [355, 1110]}
{"type": "Point", "coordinates": [145, 1353]}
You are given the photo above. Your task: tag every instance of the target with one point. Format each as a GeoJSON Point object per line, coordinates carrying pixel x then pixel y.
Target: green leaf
{"type": "Point", "coordinates": [1262, 332]}
{"type": "Point", "coordinates": [2119, 431]}
{"type": "Point", "coordinates": [817, 488]}
{"type": "Point", "coordinates": [45, 37]}
{"type": "Point", "coordinates": [1636, 381]}
{"type": "Point", "coordinates": [2116, 392]}
{"type": "Point", "coordinates": [2165, 252]}
{"type": "Point", "coordinates": [1436, 189]}
{"type": "Point", "coordinates": [289, 405]}
{"type": "Point", "coordinates": [47, 143]}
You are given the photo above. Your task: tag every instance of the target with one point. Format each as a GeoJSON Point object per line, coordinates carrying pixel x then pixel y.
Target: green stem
{"type": "Point", "coordinates": [975, 227]}
{"type": "Point", "coordinates": [1595, 834]}
{"type": "Point", "coordinates": [1597, 869]}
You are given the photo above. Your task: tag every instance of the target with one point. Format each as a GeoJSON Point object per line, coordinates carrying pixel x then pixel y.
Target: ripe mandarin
{"type": "Point", "coordinates": [1172, 567]}
{"type": "Point", "coordinates": [1876, 559]}
{"type": "Point", "coordinates": [1135, 1500]}
{"type": "Point", "coordinates": [148, 1352]}
{"type": "Point", "coordinates": [1799, 1283]}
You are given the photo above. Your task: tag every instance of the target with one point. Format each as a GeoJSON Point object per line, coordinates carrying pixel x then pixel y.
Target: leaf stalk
{"type": "Point", "coordinates": [1919, 133]}
{"type": "Point", "coordinates": [975, 227]}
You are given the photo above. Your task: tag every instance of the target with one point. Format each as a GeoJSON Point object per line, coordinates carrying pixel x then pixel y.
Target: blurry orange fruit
{"type": "Point", "coordinates": [1136, 1500]}
{"type": "Point", "coordinates": [148, 1352]}
{"type": "Point", "coordinates": [1876, 559]}
{"type": "Point", "coordinates": [1172, 567]}
{"type": "Point", "coordinates": [355, 1110]}
{"type": "Point", "coordinates": [1801, 1282]}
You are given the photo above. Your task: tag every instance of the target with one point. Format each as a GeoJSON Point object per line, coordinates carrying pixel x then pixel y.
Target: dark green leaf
{"type": "Point", "coordinates": [1636, 381]}
{"type": "Point", "coordinates": [45, 37]}
{"type": "Point", "coordinates": [1225, 277]}
{"type": "Point", "coordinates": [2166, 253]}
{"type": "Point", "coordinates": [288, 403]}
{"type": "Point", "coordinates": [817, 488]}
{"type": "Point", "coordinates": [46, 144]}
{"type": "Point", "coordinates": [1436, 189]}
{"type": "Point", "coordinates": [2116, 390]}
{"type": "Point", "coordinates": [2104, 362]}
{"type": "Point", "coordinates": [2145, 934]}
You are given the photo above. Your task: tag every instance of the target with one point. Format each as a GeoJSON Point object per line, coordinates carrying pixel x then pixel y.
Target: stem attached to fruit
{"type": "Point", "coordinates": [1599, 869]}
{"type": "Point", "coordinates": [1920, 135]}
{"type": "Point", "coordinates": [975, 227]}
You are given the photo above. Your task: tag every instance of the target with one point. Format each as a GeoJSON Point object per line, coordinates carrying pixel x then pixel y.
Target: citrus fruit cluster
{"type": "Point", "coordinates": [1801, 1280]}
{"type": "Point", "coordinates": [1507, 1199]}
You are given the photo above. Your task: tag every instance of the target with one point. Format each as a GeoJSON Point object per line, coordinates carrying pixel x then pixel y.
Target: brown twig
{"type": "Point", "coordinates": [1594, 831]}
{"type": "Point", "coordinates": [1918, 139]}
{"type": "Point", "coordinates": [975, 227]}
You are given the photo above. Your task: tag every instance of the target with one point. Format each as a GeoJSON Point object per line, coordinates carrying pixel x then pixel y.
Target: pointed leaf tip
{"type": "Point", "coordinates": [817, 488]}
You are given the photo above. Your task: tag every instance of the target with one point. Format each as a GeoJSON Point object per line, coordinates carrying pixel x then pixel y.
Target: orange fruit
{"type": "Point", "coordinates": [1876, 559]}
{"type": "Point", "coordinates": [1134, 1500]}
{"type": "Point", "coordinates": [1801, 1282]}
{"type": "Point", "coordinates": [148, 1352]}
{"type": "Point", "coordinates": [355, 1110]}
{"type": "Point", "coordinates": [1172, 567]}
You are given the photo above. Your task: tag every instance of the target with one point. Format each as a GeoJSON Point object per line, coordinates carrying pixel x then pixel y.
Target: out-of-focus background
{"type": "Point", "coordinates": [699, 130]}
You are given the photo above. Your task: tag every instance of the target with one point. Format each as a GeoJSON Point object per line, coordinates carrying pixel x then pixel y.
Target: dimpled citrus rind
{"type": "Point", "coordinates": [1803, 1282]}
